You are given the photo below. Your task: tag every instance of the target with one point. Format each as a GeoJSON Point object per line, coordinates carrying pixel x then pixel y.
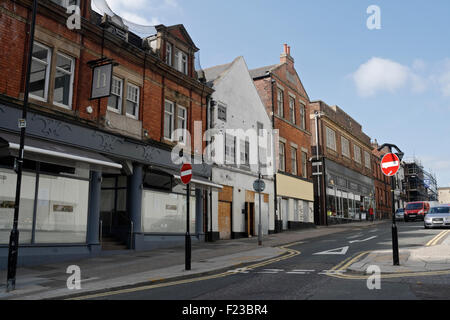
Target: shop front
{"type": "Point", "coordinates": [349, 194]}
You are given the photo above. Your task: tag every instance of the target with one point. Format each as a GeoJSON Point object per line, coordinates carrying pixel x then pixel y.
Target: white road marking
{"type": "Point", "coordinates": [239, 270]}
{"type": "Point", "coordinates": [376, 230]}
{"type": "Point", "coordinates": [338, 251]}
{"type": "Point", "coordinates": [364, 239]}
{"type": "Point", "coordinates": [355, 236]}
{"type": "Point", "coordinates": [328, 272]}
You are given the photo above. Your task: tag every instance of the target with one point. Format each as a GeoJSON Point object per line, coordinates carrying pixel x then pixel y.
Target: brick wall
{"type": "Point", "coordinates": [157, 80]}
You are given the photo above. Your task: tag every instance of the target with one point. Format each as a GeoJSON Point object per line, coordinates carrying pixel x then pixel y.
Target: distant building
{"type": "Point", "coordinates": [420, 185]}
{"type": "Point", "coordinates": [347, 186]}
{"type": "Point", "coordinates": [444, 195]}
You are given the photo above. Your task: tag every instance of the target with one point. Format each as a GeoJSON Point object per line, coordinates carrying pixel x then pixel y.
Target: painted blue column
{"type": "Point", "coordinates": [93, 224]}
{"type": "Point", "coordinates": [198, 212]}
{"type": "Point", "coordinates": [135, 203]}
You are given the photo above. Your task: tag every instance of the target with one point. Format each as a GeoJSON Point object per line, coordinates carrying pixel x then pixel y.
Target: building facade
{"type": "Point", "coordinates": [237, 114]}
{"type": "Point", "coordinates": [344, 184]}
{"type": "Point", "coordinates": [383, 186]}
{"type": "Point", "coordinates": [444, 195]}
{"type": "Point", "coordinates": [287, 103]}
{"type": "Point", "coordinates": [103, 167]}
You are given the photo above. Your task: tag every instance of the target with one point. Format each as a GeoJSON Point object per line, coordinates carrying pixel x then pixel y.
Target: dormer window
{"type": "Point", "coordinates": [169, 53]}
{"type": "Point", "coordinates": [181, 61]}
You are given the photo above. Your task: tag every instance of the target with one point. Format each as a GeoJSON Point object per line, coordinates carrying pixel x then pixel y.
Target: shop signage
{"type": "Point", "coordinates": [102, 81]}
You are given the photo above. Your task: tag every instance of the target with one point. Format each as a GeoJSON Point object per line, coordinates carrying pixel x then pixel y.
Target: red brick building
{"type": "Point", "coordinates": [383, 190]}
{"type": "Point", "coordinates": [116, 151]}
{"type": "Point", "coordinates": [287, 102]}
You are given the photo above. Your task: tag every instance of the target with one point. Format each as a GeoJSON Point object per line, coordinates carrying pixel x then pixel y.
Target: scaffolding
{"type": "Point", "coordinates": [420, 185]}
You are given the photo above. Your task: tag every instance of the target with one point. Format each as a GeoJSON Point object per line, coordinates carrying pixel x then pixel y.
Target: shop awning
{"type": "Point", "coordinates": [10, 144]}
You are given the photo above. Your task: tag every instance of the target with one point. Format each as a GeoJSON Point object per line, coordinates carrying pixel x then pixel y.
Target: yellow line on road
{"type": "Point", "coordinates": [290, 253]}
{"type": "Point", "coordinates": [436, 239]}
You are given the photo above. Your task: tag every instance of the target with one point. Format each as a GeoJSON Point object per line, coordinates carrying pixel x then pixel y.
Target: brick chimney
{"type": "Point", "coordinates": [286, 56]}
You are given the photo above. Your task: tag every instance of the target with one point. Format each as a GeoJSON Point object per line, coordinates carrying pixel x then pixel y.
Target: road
{"type": "Point", "coordinates": [304, 274]}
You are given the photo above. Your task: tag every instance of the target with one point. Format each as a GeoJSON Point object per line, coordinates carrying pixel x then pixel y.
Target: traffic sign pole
{"type": "Point", "coordinates": [390, 164]}
{"type": "Point", "coordinates": [186, 177]}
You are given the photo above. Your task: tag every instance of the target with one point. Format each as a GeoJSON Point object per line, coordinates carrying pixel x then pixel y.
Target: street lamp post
{"type": "Point", "coordinates": [395, 251]}
{"type": "Point", "coordinates": [14, 237]}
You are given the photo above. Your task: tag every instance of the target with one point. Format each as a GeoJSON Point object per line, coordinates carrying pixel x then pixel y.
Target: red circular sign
{"type": "Point", "coordinates": [390, 164]}
{"type": "Point", "coordinates": [186, 173]}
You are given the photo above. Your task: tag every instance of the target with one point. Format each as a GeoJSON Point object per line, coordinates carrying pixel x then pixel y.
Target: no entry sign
{"type": "Point", "coordinates": [186, 173]}
{"type": "Point", "coordinates": [390, 164]}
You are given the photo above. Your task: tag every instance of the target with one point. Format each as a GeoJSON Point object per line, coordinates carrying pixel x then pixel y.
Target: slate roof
{"type": "Point", "coordinates": [261, 72]}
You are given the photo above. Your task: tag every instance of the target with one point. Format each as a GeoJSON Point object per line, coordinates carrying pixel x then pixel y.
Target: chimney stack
{"type": "Point", "coordinates": [286, 56]}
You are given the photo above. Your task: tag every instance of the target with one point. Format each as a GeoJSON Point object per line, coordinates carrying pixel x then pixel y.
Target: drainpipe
{"type": "Point", "coordinates": [209, 198]}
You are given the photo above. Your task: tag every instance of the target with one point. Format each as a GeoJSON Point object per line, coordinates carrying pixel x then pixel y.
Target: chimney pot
{"type": "Point", "coordinates": [285, 48]}
{"type": "Point", "coordinates": [289, 50]}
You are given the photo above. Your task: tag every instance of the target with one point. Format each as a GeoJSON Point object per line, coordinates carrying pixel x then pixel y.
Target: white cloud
{"type": "Point", "coordinates": [379, 74]}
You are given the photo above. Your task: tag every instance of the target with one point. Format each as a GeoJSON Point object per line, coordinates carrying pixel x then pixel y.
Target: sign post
{"type": "Point", "coordinates": [186, 176]}
{"type": "Point", "coordinates": [390, 164]}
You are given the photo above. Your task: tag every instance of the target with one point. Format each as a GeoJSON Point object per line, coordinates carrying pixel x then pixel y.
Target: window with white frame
{"type": "Point", "coordinates": [294, 161]}
{"type": "Point", "coordinates": [132, 104]}
{"type": "Point", "coordinates": [182, 122]}
{"type": "Point", "coordinates": [115, 99]}
{"type": "Point", "coordinates": [282, 157]}
{"type": "Point", "coordinates": [304, 165]}
{"type": "Point", "coordinates": [244, 150]}
{"type": "Point", "coordinates": [345, 146]}
{"type": "Point", "coordinates": [292, 109]}
{"type": "Point", "coordinates": [181, 61]}
{"type": "Point", "coordinates": [331, 138]}
{"type": "Point", "coordinates": [302, 116]}
{"type": "Point", "coordinates": [169, 108]}
{"type": "Point", "coordinates": [40, 71]}
{"type": "Point", "coordinates": [357, 153]}
{"type": "Point", "coordinates": [280, 100]}
{"type": "Point", "coordinates": [63, 90]}
{"type": "Point", "coordinates": [367, 159]}
{"type": "Point", "coordinates": [230, 149]}
{"type": "Point", "coordinates": [169, 53]}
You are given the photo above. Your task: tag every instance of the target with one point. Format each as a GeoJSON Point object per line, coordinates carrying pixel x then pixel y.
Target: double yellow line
{"type": "Point", "coordinates": [438, 238]}
{"type": "Point", "coordinates": [287, 254]}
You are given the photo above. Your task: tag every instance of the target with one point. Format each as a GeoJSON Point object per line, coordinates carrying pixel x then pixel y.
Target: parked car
{"type": "Point", "coordinates": [400, 214]}
{"type": "Point", "coordinates": [438, 217]}
{"type": "Point", "coordinates": [416, 210]}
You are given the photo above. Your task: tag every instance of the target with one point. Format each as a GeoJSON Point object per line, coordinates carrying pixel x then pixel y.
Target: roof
{"type": "Point", "coordinates": [262, 72]}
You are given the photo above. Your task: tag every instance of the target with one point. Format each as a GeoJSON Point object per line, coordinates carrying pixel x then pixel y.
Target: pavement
{"type": "Point", "coordinates": [434, 256]}
{"type": "Point", "coordinates": [126, 269]}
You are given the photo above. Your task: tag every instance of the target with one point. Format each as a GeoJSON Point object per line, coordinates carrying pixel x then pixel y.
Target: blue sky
{"type": "Point", "coordinates": [395, 81]}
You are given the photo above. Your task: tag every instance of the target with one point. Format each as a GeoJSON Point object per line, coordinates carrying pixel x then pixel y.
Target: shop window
{"type": "Point", "coordinates": [8, 180]}
{"type": "Point", "coordinates": [166, 212]}
{"type": "Point", "coordinates": [62, 209]}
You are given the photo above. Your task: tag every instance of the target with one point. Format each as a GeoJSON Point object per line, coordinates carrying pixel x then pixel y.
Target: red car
{"type": "Point", "coordinates": [416, 210]}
